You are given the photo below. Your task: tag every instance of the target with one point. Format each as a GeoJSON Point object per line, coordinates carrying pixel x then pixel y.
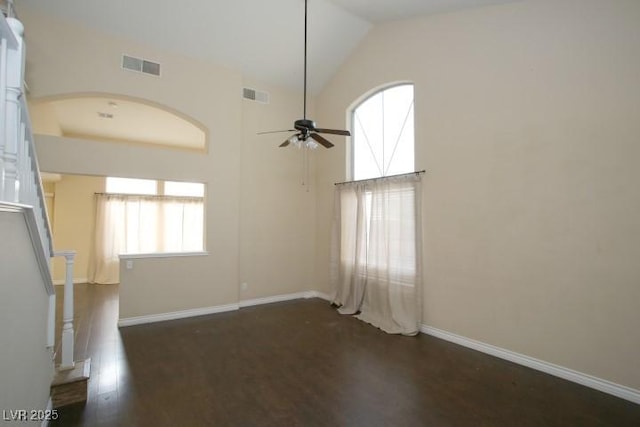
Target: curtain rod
{"type": "Point", "coordinates": [381, 177]}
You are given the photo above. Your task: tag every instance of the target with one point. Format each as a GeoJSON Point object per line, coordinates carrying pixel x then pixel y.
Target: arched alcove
{"type": "Point", "coordinates": [116, 118]}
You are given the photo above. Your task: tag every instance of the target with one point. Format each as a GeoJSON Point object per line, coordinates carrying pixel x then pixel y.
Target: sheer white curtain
{"type": "Point", "coordinates": [142, 224]}
{"type": "Point", "coordinates": [376, 256]}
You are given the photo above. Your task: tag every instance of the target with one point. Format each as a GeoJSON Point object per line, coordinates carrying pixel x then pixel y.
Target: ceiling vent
{"type": "Point", "coordinates": [255, 95]}
{"type": "Point", "coordinates": [140, 65]}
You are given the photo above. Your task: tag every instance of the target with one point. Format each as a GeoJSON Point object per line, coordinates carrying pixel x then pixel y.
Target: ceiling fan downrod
{"type": "Point", "coordinates": [307, 132]}
{"type": "Point", "coordinates": [304, 108]}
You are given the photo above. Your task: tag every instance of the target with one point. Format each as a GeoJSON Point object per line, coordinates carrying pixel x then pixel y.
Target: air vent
{"type": "Point", "coordinates": [255, 95]}
{"type": "Point", "coordinates": [140, 65]}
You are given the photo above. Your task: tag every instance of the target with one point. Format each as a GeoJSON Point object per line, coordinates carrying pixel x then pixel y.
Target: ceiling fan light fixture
{"type": "Point", "coordinates": [295, 141]}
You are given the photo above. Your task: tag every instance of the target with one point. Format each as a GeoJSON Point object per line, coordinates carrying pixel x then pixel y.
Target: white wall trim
{"type": "Point", "coordinates": [275, 298]}
{"type": "Point", "coordinates": [152, 318]}
{"type": "Point", "coordinates": [321, 295]}
{"type": "Point", "coordinates": [75, 281]}
{"type": "Point", "coordinates": [605, 386]}
{"type": "Point", "coordinates": [51, 324]}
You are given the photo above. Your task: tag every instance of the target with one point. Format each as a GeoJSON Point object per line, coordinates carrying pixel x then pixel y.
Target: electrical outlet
{"type": "Point", "coordinates": [129, 264]}
{"type": "Point", "coordinates": [244, 286]}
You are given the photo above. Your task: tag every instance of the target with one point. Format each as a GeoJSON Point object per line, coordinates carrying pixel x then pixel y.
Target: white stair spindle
{"type": "Point", "coordinates": [23, 159]}
{"type": "Point", "coordinates": [51, 322]}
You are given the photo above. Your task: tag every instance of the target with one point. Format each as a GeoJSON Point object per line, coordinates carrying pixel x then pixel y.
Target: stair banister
{"type": "Point", "coordinates": [20, 181]}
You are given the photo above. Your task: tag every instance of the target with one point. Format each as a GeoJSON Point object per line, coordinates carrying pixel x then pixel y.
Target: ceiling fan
{"type": "Point", "coordinates": [308, 134]}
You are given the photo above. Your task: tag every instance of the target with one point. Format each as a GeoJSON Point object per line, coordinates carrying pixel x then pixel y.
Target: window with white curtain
{"type": "Point", "coordinates": [376, 250]}
{"type": "Point", "coordinates": [137, 216]}
{"type": "Point", "coordinates": [382, 144]}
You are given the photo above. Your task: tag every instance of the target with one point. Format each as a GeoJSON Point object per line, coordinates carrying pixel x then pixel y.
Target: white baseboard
{"type": "Point", "coordinates": [321, 295]}
{"type": "Point", "coordinates": [75, 281]}
{"type": "Point", "coordinates": [286, 297]}
{"type": "Point", "coordinates": [605, 386]}
{"type": "Point", "coordinates": [152, 318]}
{"type": "Point", "coordinates": [275, 298]}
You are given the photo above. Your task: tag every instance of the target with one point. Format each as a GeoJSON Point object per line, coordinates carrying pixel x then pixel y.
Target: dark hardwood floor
{"type": "Point", "coordinates": [300, 363]}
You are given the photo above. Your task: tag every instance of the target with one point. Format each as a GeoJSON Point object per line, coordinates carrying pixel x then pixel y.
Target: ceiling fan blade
{"type": "Point", "coordinates": [323, 141]}
{"type": "Point", "coordinates": [276, 131]}
{"type": "Point", "coordinates": [333, 131]}
{"type": "Point", "coordinates": [285, 143]}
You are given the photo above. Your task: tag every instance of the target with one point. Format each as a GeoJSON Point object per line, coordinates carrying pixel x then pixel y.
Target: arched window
{"type": "Point", "coordinates": [377, 253]}
{"type": "Point", "coordinates": [382, 134]}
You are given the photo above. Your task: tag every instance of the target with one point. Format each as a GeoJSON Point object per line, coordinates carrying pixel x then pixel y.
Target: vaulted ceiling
{"type": "Point", "coordinates": [262, 39]}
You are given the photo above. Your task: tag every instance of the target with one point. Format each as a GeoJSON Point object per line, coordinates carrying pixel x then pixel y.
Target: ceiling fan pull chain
{"type": "Point", "coordinates": [304, 166]}
{"type": "Point", "coordinates": [307, 149]}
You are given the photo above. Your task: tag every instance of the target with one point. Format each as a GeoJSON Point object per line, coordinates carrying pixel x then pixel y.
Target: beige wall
{"type": "Point", "coordinates": [44, 119]}
{"type": "Point", "coordinates": [74, 222]}
{"type": "Point", "coordinates": [277, 212]}
{"type": "Point", "coordinates": [526, 121]}
{"type": "Point", "coordinates": [141, 294]}
{"type": "Point", "coordinates": [27, 368]}
{"type": "Point", "coordinates": [211, 95]}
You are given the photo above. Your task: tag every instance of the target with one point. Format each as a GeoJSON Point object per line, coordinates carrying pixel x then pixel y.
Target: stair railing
{"type": "Point", "coordinates": [20, 180]}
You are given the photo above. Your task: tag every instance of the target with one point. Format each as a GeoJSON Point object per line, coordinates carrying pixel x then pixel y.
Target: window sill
{"type": "Point", "coordinates": [163, 255]}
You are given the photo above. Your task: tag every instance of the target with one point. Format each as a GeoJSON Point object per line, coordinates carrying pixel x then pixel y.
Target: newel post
{"type": "Point", "coordinates": [70, 384]}
{"type": "Point", "coordinates": [68, 334]}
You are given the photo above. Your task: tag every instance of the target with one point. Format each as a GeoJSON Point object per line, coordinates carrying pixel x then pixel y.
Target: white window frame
{"type": "Point", "coordinates": [351, 120]}
{"type": "Point", "coordinates": [351, 161]}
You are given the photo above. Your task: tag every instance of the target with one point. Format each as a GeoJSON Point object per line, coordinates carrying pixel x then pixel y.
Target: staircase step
{"type": "Point", "coordinates": [71, 385]}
